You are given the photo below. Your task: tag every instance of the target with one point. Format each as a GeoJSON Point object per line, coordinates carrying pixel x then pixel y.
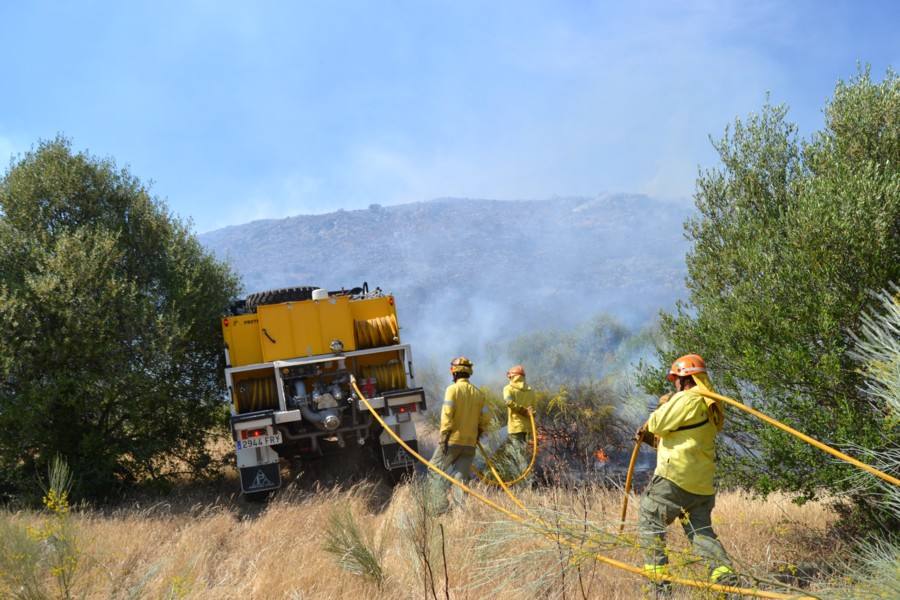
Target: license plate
{"type": "Point", "coordinates": [395, 456]}
{"type": "Point", "coordinates": [259, 441]}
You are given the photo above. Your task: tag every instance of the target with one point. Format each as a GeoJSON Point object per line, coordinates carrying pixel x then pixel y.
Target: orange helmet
{"type": "Point", "coordinates": [516, 370]}
{"type": "Point", "coordinates": [686, 365]}
{"type": "Point", "coordinates": [461, 364]}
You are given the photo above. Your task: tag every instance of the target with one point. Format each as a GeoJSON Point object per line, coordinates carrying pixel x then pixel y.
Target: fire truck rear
{"type": "Point", "coordinates": [289, 355]}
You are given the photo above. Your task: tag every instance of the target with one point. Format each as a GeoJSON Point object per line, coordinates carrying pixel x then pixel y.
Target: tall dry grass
{"type": "Point", "coordinates": [216, 548]}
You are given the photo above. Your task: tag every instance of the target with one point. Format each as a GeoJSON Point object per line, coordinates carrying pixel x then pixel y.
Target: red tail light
{"type": "Point", "coordinates": [252, 433]}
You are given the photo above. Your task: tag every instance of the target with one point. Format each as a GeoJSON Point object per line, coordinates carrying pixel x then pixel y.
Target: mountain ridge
{"type": "Point", "coordinates": [482, 268]}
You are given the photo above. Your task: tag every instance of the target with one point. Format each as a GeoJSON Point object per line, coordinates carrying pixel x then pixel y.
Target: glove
{"type": "Point", "coordinates": [445, 442]}
{"type": "Point", "coordinates": [663, 399]}
{"type": "Point", "coordinates": [646, 437]}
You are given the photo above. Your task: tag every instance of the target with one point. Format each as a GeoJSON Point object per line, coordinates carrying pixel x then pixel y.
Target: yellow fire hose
{"type": "Point", "coordinates": [523, 521]}
{"type": "Point", "coordinates": [523, 474]}
{"type": "Point", "coordinates": [802, 436]}
{"type": "Point", "coordinates": [628, 476]}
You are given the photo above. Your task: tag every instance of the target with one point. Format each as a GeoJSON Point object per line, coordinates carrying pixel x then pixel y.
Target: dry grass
{"type": "Point", "coordinates": [218, 548]}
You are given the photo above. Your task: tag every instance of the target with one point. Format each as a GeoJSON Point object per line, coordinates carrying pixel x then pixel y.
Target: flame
{"type": "Point", "coordinates": [601, 456]}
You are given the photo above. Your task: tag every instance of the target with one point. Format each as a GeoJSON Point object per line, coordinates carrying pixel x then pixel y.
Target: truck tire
{"type": "Point", "coordinates": [292, 294]}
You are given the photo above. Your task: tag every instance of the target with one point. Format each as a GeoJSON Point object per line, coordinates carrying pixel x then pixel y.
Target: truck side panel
{"type": "Point", "coordinates": [306, 329]}
{"type": "Point", "coordinates": [336, 323]}
{"type": "Point", "coordinates": [275, 331]}
{"type": "Point", "coordinates": [241, 333]}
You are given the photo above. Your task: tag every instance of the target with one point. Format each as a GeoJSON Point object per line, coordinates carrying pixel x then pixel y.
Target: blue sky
{"type": "Point", "coordinates": [246, 110]}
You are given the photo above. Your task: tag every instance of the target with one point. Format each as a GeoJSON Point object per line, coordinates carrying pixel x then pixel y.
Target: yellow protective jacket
{"type": "Point", "coordinates": [464, 413]}
{"type": "Point", "coordinates": [519, 397]}
{"type": "Point", "coordinates": [686, 454]}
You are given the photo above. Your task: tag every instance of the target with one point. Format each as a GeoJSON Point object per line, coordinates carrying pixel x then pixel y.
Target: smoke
{"type": "Point", "coordinates": [472, 276]}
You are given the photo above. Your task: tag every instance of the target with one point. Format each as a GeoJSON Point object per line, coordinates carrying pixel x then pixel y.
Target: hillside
{"type": "Point", "coordinates": [491, 268]}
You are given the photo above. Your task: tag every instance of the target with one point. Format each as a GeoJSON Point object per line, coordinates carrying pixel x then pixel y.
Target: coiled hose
{"type": "Point", "coordinates": [388, 376]}
{"type": "Point", "coordinates": [380, 331]}
{"type": "Point", "coordinates": [256, 394]}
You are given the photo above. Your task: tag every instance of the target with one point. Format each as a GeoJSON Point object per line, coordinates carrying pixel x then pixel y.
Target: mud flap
{"type": "Point", "coordinates": [260, 478]}
{"type": "Point", "coordinates": [396, 457]}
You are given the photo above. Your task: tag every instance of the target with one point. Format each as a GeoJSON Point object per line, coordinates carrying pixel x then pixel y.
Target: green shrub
{"type": "Point", "coordinates": [109, 307]}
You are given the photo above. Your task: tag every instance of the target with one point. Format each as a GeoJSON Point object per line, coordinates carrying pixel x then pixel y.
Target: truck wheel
{"type": "Point", "coordinates": [292, 294]}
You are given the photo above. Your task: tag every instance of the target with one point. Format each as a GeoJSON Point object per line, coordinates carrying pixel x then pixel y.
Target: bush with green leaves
{"type": "Point", "coordinates": [790, 237]}
{"type": "Point", "coordinates": [110, 355]}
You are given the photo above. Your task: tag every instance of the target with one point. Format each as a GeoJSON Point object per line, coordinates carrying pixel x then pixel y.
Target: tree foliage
{"type": "Point", "coordinates": [791, 237]}
{"type": "Point", "coordinates": [108, 305]}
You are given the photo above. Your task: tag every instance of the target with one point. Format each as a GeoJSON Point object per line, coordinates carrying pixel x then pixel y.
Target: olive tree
{"type": "Point", "coordinates": [790, 238]}
{"type": "Point", "coordinates": [110, 353]}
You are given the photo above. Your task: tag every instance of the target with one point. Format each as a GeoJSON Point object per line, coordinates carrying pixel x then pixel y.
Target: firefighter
{"type": "Point", "coordinates": [683, 429]}
{"type": "Point", "coordinates": [464, 418]}
{"type": "Point", "coordinates": [520, 402]}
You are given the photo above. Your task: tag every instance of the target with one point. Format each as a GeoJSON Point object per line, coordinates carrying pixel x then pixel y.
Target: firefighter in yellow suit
{"type": "Point", "coordinates": [464, 418]}
{"type": "Point", "coordinates": [520, 400]}
{"type": "Point", "coordinates": [683, 429]}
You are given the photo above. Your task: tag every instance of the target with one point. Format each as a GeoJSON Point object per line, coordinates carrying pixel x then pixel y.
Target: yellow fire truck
{"type": "Point", "coordinates": [289, 355]}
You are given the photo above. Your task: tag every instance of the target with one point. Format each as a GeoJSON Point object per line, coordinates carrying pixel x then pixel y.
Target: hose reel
{"type": "Point", "coordinates": [388, 376]}
{"type": "Point", "coordinates": [256, 394]}
{"type": "Point", "coordinates": [380, 331]}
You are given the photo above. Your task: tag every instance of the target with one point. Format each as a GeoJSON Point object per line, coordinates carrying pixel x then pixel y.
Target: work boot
{"type": "Point", "coordinates": [657, 588]}
{"type": "Point", "coordinates": [724, 575]}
